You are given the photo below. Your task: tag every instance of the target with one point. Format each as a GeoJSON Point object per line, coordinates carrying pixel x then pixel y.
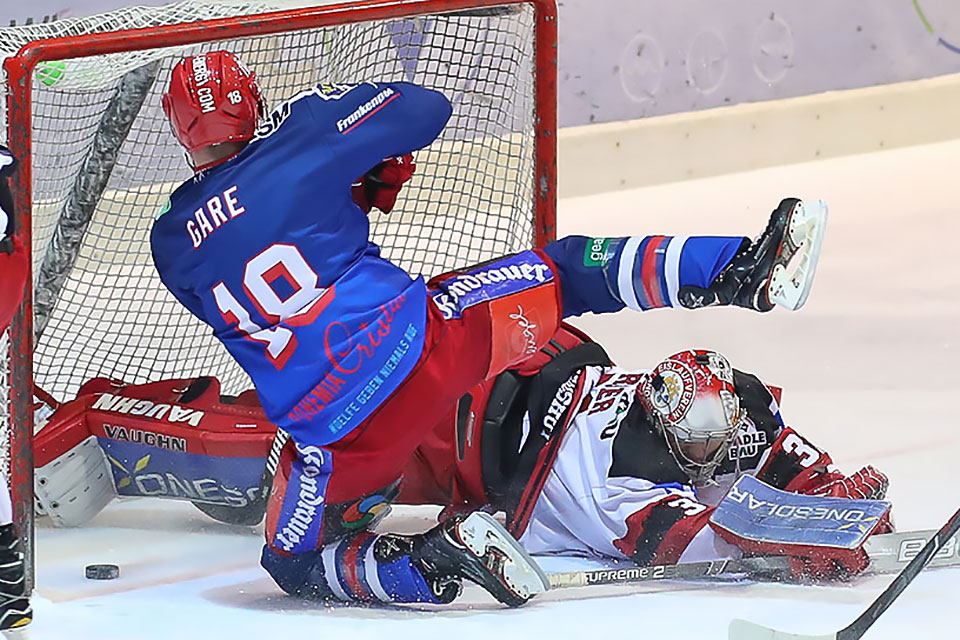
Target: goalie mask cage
{"type": "Point", "coordinates": [97, 162]}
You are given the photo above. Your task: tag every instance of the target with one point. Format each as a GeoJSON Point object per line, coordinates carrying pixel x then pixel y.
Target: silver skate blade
{"type": "Point", "coordinates": [520, 572]}
{"type": "Point", "coordinates": [792, 276]}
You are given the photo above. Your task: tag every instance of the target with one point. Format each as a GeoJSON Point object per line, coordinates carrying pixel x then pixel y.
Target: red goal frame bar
{"type": "Point", "coordinates": [20, 69]}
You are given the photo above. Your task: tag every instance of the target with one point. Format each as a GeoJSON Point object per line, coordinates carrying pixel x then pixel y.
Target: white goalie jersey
{"type": "Point", "coordinates": [614, 489]}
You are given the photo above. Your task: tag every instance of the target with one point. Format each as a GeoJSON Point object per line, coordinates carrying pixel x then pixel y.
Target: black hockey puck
{"type": "Point", "coordinates": [102, 571]}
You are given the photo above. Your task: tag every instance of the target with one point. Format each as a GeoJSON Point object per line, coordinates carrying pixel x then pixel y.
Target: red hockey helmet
{"type": "Point", "coordinates": [213, 98]}
{"type": "Point", "coordinates": [691, 399]}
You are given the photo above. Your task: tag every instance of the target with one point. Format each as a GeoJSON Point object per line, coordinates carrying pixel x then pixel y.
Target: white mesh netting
{"type": "Point", "coordinates": [103, 163]}
{"type": "Point", "coordinates": [100, 308]}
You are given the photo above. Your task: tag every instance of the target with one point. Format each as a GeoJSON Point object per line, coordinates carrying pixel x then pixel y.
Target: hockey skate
{"type": "Point", "coordinates": [775, 269]}
{"type": "Point", "coordinates": [478, 548]}
{"type": "Point", "coordinates": [786, 256]}
{"type": "Point", "coordinates": [15, 610]}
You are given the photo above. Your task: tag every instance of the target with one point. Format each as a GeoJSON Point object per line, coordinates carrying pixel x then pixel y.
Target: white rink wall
{"type": "Point", "coordinates": [697, 144]}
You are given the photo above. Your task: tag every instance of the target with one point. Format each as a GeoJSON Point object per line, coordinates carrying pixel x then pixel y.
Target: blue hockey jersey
{"type": "Point", "coordinates": [269, 249]}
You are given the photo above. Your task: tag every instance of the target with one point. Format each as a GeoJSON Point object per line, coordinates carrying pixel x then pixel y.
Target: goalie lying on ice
{"type": "Point", "coordinates": [588, 459]}
{"type": "Point", "coordinates": [584, 458]}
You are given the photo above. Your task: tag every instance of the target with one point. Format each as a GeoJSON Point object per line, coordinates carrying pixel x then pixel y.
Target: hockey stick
{"type": "Point", "coordinates": [744, 630]}
{"type": "Point", "coordinates": [764, 567]}
{"type": "Point", "coordinates": [889, 553]}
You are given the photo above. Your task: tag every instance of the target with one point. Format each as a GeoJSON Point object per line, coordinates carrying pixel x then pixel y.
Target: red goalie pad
{"type": "Point", "coordinates": [187, 416]}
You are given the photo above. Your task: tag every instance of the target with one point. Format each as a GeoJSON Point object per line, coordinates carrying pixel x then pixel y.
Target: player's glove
{"type": "Point", "coordinates": [866, 484]}
{"type": "Point", "coordinates": [380, 186]}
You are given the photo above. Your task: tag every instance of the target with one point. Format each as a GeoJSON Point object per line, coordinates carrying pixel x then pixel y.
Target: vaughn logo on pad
{"type": "Point", "coordinates": [158, 411]}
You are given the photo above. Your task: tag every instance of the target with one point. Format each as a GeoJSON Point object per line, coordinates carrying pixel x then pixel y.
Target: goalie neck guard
{"type": "Point", "coordinates": [212, 99]}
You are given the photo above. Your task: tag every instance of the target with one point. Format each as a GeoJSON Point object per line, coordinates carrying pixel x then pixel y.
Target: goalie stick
{"type": "Point", "coordinates": [764, 567]}
{"type": "Point", "coordinates": [744, 630]}
{"type": "Point", "coordinates": [889, 553]}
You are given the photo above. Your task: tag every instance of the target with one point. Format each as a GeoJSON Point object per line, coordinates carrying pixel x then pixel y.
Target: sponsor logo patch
{"type": "Point", "coordinates": [595, 254]}
{"type": "Point", "coordinates": [137, 479]}
{"type": "Point", "coordinates": [560, 405]}
{"type": "Point", "coordinates": [750, 441]}
{"type": "Point", "coordinates": [909, 549]}
{"type": "Point", "coordinates": [149, 438]}
{"type": "Point", "coordinates": [300, 527]}
{"type": "Point", "coordinates": [166, 208]}
{"type": "Point", "coordinates": [367, 109]}
{"type": "Point", "coordinates": [201, 73]}
{"type": "Point", "coordinates": [757, 511]}
{"type": "Point", "coordinates": [495, 280]}
{"type": "Point", "coordinates": [527, 330]}
{"type": "Point", "coordinates": [282, 111]}
{"type": "Point", "coordinates": [361, 514]}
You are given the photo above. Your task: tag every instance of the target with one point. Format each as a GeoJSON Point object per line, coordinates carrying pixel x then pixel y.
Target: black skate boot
{"type": "Point", "coordinates": [478, 548]}
{"type": "Point", "coordinates": [775, 269]}
{"type": "Point", "coordinates": [15, 611]}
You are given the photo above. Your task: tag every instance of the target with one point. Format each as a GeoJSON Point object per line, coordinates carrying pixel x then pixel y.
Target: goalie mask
{"type": "Point", "coordinates": [213, 98]}
{"type": "Point", "coordinates": [691, 400]}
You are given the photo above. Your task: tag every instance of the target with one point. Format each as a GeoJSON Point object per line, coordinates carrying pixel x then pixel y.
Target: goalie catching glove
{"type": "Point", "coordinates": [380, 186]}
{"type": "Point", "coordinates": [865, 484]}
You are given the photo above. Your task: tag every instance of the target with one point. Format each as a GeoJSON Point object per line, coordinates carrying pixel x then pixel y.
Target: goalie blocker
{"type": "Point", "coordinates": [176, 439]}
{"type": "Point", "coordinates": [822, 536]}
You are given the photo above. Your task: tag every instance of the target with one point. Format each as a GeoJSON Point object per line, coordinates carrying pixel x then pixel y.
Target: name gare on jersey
{"type": "Point", "coordinates": [217, 211]}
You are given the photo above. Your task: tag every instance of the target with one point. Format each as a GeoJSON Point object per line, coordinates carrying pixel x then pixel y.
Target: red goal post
{"type": "Point", "coordinates": [489, 187]}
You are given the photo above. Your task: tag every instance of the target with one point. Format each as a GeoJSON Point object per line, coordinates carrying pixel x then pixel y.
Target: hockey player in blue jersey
{"type": "Point", "coordinates": [268, 244]}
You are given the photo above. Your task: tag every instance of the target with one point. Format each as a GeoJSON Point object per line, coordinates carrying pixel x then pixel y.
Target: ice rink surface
{"type": "Point", "coordinates": [870, 372]}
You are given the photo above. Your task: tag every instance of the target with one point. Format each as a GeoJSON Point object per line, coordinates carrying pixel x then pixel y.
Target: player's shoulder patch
{"type": "Point", "coordinates": [334, 91]}
{"type": "Point", "coordinates": [280, 113]}
{"type": "Point", "coordinates": [166, 207]}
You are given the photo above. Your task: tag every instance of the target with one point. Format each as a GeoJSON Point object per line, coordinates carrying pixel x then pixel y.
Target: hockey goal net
{"type": "Point", "coordinates": [98, 161]}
